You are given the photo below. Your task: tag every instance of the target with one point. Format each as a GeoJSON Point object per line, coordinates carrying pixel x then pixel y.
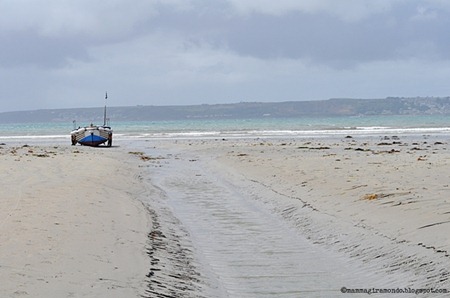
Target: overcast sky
{"type": "Point", "coordinates": [67, 53]}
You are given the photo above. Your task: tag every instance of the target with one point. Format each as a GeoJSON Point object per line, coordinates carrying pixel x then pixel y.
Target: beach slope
{"type": "Point", "coordinates": [71, 224]}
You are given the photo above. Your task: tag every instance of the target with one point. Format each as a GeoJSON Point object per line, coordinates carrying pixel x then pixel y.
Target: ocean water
{"type": "Point", "coordinates": [241, 128]}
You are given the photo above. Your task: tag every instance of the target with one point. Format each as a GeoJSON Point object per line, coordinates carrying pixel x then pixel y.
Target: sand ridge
{"type": "Point", "coordinates": [70, 223]}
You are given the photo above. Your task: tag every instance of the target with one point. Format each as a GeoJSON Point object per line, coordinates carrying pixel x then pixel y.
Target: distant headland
{"type": "Point", "coordinates": [318, 108]}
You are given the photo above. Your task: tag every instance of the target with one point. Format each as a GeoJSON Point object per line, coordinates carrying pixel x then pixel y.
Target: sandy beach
{"type": "Point", "coordinates": [227, 218]}
{"type": "Point", "coordinates": [378, 204]}
{"type": "Point", "coordinates": [71, 224]}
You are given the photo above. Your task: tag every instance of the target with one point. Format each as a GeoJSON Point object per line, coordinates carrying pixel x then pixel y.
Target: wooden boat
{"type": "Point", "coordinates": [93, 135]}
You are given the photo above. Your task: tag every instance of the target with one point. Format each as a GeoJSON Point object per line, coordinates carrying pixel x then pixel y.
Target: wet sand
{"type": "Point", "coordinates": [378, 204]}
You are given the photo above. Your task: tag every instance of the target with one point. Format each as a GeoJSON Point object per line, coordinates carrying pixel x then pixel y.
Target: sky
{"type": "Point", "coordinates": [68, 53]}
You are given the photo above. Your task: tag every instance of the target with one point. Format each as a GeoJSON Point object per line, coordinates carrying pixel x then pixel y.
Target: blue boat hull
{"type": "Point", "coordinates": [92, 140]}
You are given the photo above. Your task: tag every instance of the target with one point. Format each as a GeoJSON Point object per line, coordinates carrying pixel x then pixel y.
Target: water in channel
{"type": "Point", "coordinates": [245, 249]}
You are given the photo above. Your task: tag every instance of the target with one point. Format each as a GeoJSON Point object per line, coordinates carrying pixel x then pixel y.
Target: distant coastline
{"type": "Point", "coordinates": [319, 108]}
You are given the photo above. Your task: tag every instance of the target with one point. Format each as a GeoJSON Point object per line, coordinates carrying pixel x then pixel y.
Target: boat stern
{"type": "Point", "coordinates": [92, 136]}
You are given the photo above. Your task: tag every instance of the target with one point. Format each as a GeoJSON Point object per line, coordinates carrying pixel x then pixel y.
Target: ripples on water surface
{"type": "Point", "coordinates": [248, 251]}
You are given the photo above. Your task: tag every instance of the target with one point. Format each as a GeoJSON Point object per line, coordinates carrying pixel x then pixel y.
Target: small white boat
{"type": "Point", "coordinates": [93, 135]}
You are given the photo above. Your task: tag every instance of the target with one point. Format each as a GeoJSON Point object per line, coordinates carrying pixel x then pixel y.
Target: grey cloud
{"type": "Point", "coordinates": [51, 34]}
{"type": "Point", "coordinates": [26, 48]}
{"type": "Point", "coordinates": [326, 39]}
{"type": "Point", "coordinates": [184, 51]}
{"type": "Point", "coordinates": [320, 37]}
{"type": "Point", "coordinates": [317, 37]}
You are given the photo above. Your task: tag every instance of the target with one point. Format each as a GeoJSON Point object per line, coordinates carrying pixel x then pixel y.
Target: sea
{"type": "Point", "coordinates": [58, 132]}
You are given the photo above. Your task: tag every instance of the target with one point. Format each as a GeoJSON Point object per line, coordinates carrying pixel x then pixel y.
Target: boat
{"type": "Point", "coordinates": [93, 135]}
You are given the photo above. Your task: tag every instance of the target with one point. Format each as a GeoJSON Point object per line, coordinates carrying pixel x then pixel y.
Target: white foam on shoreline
{"type": "Point", "coordinates": [237, 134]}
{"type": "Point", "coordinates": [125, 135]}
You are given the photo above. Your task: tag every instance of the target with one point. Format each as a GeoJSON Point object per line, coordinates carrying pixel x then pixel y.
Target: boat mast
{"type": "Point", "coordinates": [104, 113]}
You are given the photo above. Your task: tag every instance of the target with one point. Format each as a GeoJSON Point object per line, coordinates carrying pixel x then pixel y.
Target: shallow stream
{"type": "Point", "coordinates": [243, 249]}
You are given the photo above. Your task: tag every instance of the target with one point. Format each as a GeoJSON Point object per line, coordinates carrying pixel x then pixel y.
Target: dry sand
{"type": "Point", "coordinates": [71, 224]}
